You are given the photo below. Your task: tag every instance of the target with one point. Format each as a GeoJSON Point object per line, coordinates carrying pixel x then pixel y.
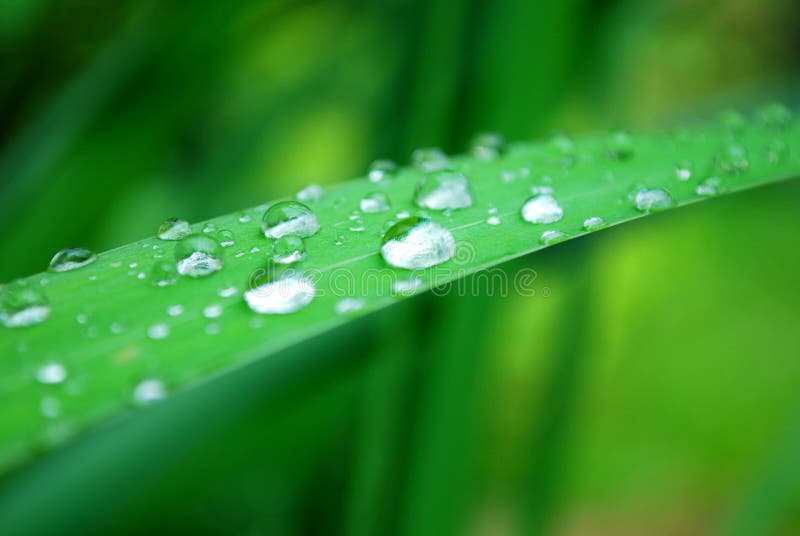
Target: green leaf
{"type": "Point", "coordinates": [101, 313]}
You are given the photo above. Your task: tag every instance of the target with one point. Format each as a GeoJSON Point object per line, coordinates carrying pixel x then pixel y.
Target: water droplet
{"type": "Point", "coordinates": [198, 256]}
{"type": "Point", "coordinates": [175, 310]}
{"type": "Point", "coordinates": [430, 159]}
{"type": "Point", "coordinates": [244, 218]}
{"type": "Point", "coordinates": [287, 294]}
{"type": "Point", "coordinates": [289, 249]}
{"type": "Point", "coordinates": [488, 146]}
{"type": "Point", "coordinates": [209, 228]}
{"type": "Point", "coordinates": [357, 225]}
{"type": "Point", "coordinates": [709, 187]}
{"type": "Point", "coordinates": [50, 407]}
{"type": "Point", "coordinates": [349, 305]}
{"type": "Point", "coordinates": [442, 190]}
{"type": "Point", "coordinates": [733, 159]}
{"type": "Point", "coordinates": [403, 214]}
{"type": "Point", "coordinates": [51, 373]}
{"type": "Point", "coordinates": [683, 170]}
{"type": "Point", "coordinates": [71, 259]}
{"type": "Point", "coordinates": [593, 223]}
{"type": "Point", "coordinates": [542, 209]}
{"type": "Point", "coordinates": [225, 238]}
{"type": "Point", "coordinates": [654, 200]}
{"type": "Point", "coordinates": [340, 240]}
{"type": "Point", "coordinates": [310, 194]}
{"type": "Point", "coordinates": [22, 304]}
{"type": "Point", "coordinates": [553, 236]}
{"type": "Point", "coordinates": [174, 229]}
{"type": "Point", "coordinates": [158, 331]}
{"type": "Point", "coordinates": [213, 311]}
{"type": "Point", "coordinates": [407, 287]}
{"type": "Point", "coordinates": [212, 329]}
{"type": "Point", "coordinates": [227, 292]}
{"type": "Point", "coordinates": [163, 274]}
{"type": "Point", "coordinates": [493, 220]}
{"type": "Point", "coordinates": [417, 243]}
{"type": "Point", "coordinates": [540, 190]}
{"type": "Point", "coordinates": [375, 202]}
{"type": "Point", "coordinates": [777, 150]}
{"type": "Point", "coordinates": [381, 170]}
{"type": "Point", "coordinates": [289, 217]}
{"type": "Point", "coordinates": [620, 145]}
{"type": "Point", "coordinates": [149, 391]}
{"type": "Point", "coordinates": [775, 115]}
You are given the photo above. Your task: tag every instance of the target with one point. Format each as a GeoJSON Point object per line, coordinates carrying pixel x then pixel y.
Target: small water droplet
{"type": "Point", "coordinates": [487, 146]}
{"type": "Point", "coordinates": [382, 170]}
{"type": "Point", "coordinates": [289, 217]}
{"type": "Point", "coordinates": [442, 190]}
{"type": "Point", "coordinates": [71, 259]}
{"type": "Point", "coordinates": [163, 274]}
{"type": "Point", "coordinates": [430, 159]}
{"type": "Point", "coordinates": [213, 311]}
{"type": "Point", "coordinates": [349, 305]}
{"type": "Point", "coordinates": [245, 218]}
{"type": "Point", "coordinates": [357, 224]}
{"type": "Point", "coordinates": [149, 391]}
{"type": "Point", "coordinates": [775, 115]}
{"type": "Point", "coordinates": [225, 238]}
{"type": "Point", "coordinates": [417, 243]}
{"type": "Point", "coordinates": [227, 292]}
{"type": "Point", "coordinates": [553, 236]}
{"type": "Point", "coordinates": [733, 159]}
{"type": "Point", "coordinates": [375, 202]}
{"type": "Point", "coordinates": [542, 209]}
{"type": "Point", "coordinates": [310, 194]}
{"type": "Point", "coordinates": [407, 287]}
{"type": "Point", "coordinates": [541, 190]}
{"type": "Point", "coordinates": [158, 331]}
{"type": "Point", "coordinates": [683, 170]}
{"type": "Point", "coordinates": [50, 407]}
{"type": "Point", "coordinates": [51, 373]}
{"type": "Point", "coordinates": [22, 304]}
{"type": "Point", "coordinates": [593, 223]}
{"type": "Point", "coordinates": [562, 145]}
{"type": "Point", "coordinates": [777, 150]}
{"type": "Point", "coordinates": [620, 145]}
{"type": "Point", "coordinates": [212, 329]}
{"type": "Point", "coordinates": [289, 249]}
{"type": "Point", "coordinates": [493, 220]}
{"type": "Point", "coordinates": [655, 200]}
{"type": "Point", "coordinates": [285, 295]}
{"type": "Point", "coordinates": [709, 187]}
{"type": "Point", "coordinates": [198, 256]}
{"type": "Point", "coordinates": [340, 240]}
{"type": "Point", "coordinates": [403, 214]}
{"type": "Point", "coordinates": [116, 328]}
{"type": "Point", "coordinates": [175, 310]}
{"type": "Point", "coordinates": [209, 228]}
{"type": "Point", "coordinates": [174, 229]}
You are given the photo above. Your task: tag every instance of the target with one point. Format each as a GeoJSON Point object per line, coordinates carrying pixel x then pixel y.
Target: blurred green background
{"type": "Point", "coordinates": [651, 387]}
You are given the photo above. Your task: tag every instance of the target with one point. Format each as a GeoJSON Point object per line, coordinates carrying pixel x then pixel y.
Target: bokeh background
{"type": "Point", "coordinates": [651, 387]}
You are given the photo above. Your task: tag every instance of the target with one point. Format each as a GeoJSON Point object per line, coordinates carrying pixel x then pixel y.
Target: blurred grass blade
{"type": "Point", "coordinates": [102, 313]}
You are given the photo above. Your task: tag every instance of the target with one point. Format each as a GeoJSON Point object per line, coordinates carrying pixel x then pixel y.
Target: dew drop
{"type": "Point", "coordinates": [285, 295]}
{"type": "Point", "coordinates": [493, 220]}
{"type": "Point", "coordinates": [163, 274]}
{"type": "Point", "coordinates": [375, 202]}
{"type": "Point", "coordinates": [244, 218]}
{"type": "Point", "coordinates": [227, 292]}
{"type": "Point", "coordinates": [225, 238]}
{"type": "Point", "coordinates": [733, 159]}
{"type": "Point", "coordinates": [175, 310]}
{"type": "Point", "coordinates": [683, 170]}
{"type": "Point", "coordinates": [209, 228]}
{"type": "Point", "coordinates": [487, 146]}
{"type": "Point", "coordinates": [430, 159]}
{"type": "Point", "coordinates": [539, 190]}
{"type": "Point", "coordinates": [289, 217]}
{"type": "Point", "coordinates": [620, 145]}
{"type": "Point", "coordinates": [442, 190]}
{"type": "Point", "coordinates": [417, 243]}
{"type": "Point", "coordinates": [709, 187]}
{"type": "Point", "coordinates": [289, 249]}
{"type": "Point", "coordinates": [71, 259]}
{"type": "Point", "coordinates": [542, 209]}
{"type": "Point", "coordinates": [340, 240]}
{"type": "Point", "coordinates": [593, 223]}
{"type": "Point", "coordinates": [349, 305]}
{"type": "Point", "coordinates": [553, 236]}
{"type": "Point", "coordinates": [213, 311]}
{"type": "Point", "coordinates": [655, 200]}
{"type": "Point", "coordinates": [777, 150]}
{"type": "Point", "coordinates": [198, 256]}
{"type": "Point", "coordinates": [50, 407]}
{"type": "Point", "coordinates": [149, 391]}
{"type": "Point", "coordinates": [22, 304]}
{"type": "Point", "coordinates": [158, 331]}
{"type": "Point", "coordinates": [382, 170]}
{"type": "Point", "coordinates": [407, 287]}
{"type": "Point", "coordinates": [51, 373]}
{"type": "Point", "coordinates": [357, 225]}
{"type": "Point", "coordinates": [310, 194]}
{"type": "Point", "coordinates": [174, 229]}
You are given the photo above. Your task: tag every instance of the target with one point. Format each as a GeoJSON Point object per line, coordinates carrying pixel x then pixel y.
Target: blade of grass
{"type": "Point", "coordinates": [103, 366]}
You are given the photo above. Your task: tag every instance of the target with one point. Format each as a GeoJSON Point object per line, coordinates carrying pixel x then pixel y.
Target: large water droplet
{"type": "Point", "coordinates": [620, 145]}
{"type": "Point", "coordinates": [430, 159]}
{"type": "Point", "coordinates": [174, 229]}
{"type": "Point", "coordinates": [381, 170]}
{"type": "Point", "coordinates": [149, 391]}
{"type": "Point", "coordinates": [443, 190]}
{"type": "Point", "coordinates": [51, 373]}
{"type": "Point", "coordinates": [417, 243]}
{"type": "Point", "coordinates": [375, 202]}
{"type": "Point", "coordinates": [289, 217]}
{"type": "Point", "coordinates": [71, 259]}
{"type": "Point", "coordinates": [593, 223]}
{"type": "Point", "coordinates": [553, 236]}
{"type": "Point", "coordinates": [289, 249]}
{"type": "Point", "coordinates": [653, 200]}
{"type": "Point", "coordinates": [542, 209]}
{"type": "Point", "coordinates": [285, 295]}
{"type": "Point", "coordinates": [310, 194]}
{"type": "Point", "coordinates": [22, 304]}
{"type": "Point", "coordinates": [487, 146]}
{"type": "Point", "coordinates": [198, 256]}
